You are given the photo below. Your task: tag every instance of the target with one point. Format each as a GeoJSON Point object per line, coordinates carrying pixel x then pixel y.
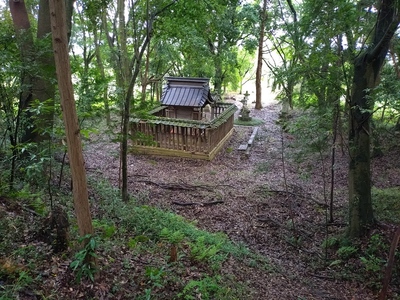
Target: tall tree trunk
{"type": "Point", "coordinates": [24, 36]}
{"type": "Point", "coordinates": [43, 88]}
{"type": "Point", "coordinates": [22, 27]}
{"type": "Point", "coordinates": [366, 72]}
{"type": "Point", "coordinates": [127, 88]}
{"type": "Point", "coordinates": [263, 17]}
{"type": "Point", "coordinates": [38, 86]}
{"type": "Point", "coordinates": [63, 68]}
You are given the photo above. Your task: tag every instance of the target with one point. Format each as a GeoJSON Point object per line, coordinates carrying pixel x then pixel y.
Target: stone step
{"type": "Point", "coordinates": [243, 147]}
{"type": "Point", "coordinates": [253, 136]}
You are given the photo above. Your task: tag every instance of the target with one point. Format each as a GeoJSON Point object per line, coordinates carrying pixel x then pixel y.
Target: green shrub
{"type": "Point", "coordinates": [345, 252]}
{"type": "Point", "coordinates": [83, 264]}
{"type": "Point", "coordinates": [386, 204]}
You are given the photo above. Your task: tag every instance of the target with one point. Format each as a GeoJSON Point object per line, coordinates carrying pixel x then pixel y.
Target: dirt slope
{"type": "Point", "coordinates": [257, 207]}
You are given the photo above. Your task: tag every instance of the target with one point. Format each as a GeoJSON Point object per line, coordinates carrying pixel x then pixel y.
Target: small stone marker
{"type": "Point", "coordinates": [243, 147]}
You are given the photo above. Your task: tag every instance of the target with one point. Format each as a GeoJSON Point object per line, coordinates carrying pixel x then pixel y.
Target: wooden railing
{"type": "Point", "coordinates": [178, 137]}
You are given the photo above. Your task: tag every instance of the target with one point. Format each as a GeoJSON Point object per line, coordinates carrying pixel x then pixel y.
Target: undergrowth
{"type": "Point", "coordinates": [386, 203]}
{"type": "Point", "coordinates": [141, 252]}
{"type": "Point", "coordinates": [365, 260]}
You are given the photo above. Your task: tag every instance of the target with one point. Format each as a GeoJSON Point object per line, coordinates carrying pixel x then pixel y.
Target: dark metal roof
{"type": "Point", "coordinates": [186, 91]}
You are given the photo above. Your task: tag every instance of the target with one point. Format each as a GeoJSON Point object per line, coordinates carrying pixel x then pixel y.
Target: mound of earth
{"type": "Point", "coordinates": [260, 200]}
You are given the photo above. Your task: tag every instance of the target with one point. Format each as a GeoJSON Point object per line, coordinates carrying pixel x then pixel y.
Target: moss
{"type": "Point", "coordinates": [252, 122]}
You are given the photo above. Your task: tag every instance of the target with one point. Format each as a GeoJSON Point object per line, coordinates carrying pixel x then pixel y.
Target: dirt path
{"type": "Point", "coordinates": [254, 209]}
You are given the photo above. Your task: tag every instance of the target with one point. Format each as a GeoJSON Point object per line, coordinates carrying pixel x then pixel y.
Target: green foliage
{"type": "Point", "coordinates": [386, 95]}
{"type": "Point", "coordinates": [263, 167]}
{"type": "Point", "coordinates": [229, 150]}
{"type": "Point", "coordinates": [227, 24]}
{"type": "Point", "coordinates": [22, 281]}
{"type": "Point", "coordinates": [133, 242]}
{"type": "Point", "coordinates": [39, 206]}
{"type": "Point", "coordinates": [41, 114]}
{"type": "Point", "coordinates": [312, 129]}
{"type": "Point", "coordinates": [152, 224]}
{"type": "Point", "coordinates": [201, 251]}
{"type": "Point", "coordinates": [330, 242]}
{"type": "Point", "coordinates": [17, 266]}
{"type": "Point", "coordinates": [155, 276]}
{"type": "Point", "coordinates": [206, 288]}
{"type": "Point", "coordinates": [174, 237]}
{"type": "Point", "coordinates": [145, 139]}
{"type": "Point", "coordinates": [36, 162]}
{"type": "Point", "coordinates": [150, 231]}
{"type": "Point", "coordinates": [372, 263]}
{"type": "Point", "coordinates": [345, 252]}
{"type": "Point", "coordinates": [83, 264]}
{"type": "Point", "coordinates": [376, 245]}
{"type": "Point", "coordinates": [370, 255]}
{"type": "Point", "coordinates": [386, 203]}
{"type": "Point", "coordinates": [372, 258]}
{"type": "Point", "coordinates": [30, 199]}
{"type": "Point", "coordinates": [104, 228]}
{"type": "Point", "coordinates": [252, 122]}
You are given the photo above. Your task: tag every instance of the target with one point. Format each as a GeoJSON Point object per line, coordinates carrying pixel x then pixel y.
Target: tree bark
{"type": "Point", "coordinates": [128, 95]}
{"type": "Point", "coordinates": [36, 86]}
{"type": "Point", "coordinates": [19, 15]}
{"type": "Point", "coordinates": [263, 17]}
{"type": "Point", "coordinates": [63, 68]}
{"type": "Point", "coordinates": [100, 65]}
{"type": "Point", "coordinates": [43, 87]}
{"type": "Point", "coordinates": [24, 36]}
{"type": "Point", "coordinates": [219, 75]}
{"type": "Point", "coordinates": [366, 72]}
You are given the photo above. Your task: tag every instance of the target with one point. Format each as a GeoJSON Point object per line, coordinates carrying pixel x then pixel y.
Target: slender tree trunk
{"type": "Point", "coordinates": [60, 46]}
{"type": "Point", "coordinates": [145, 76]}
{"type": "Point", "coordinates": [366, 72]}
{"type": "Point", "coordinates": [141, 44]}
{"type": "Point", "coordinates": [127, 89]}
{"type": "Point", "coordinates": [100, 65]}
{"type": "Point", "coordinates": [123, 58]}
{"type": "Point", "coordinates": [219, 77]}
{"type": "Point", "coordinates": [336, 116]}
{"type": "Point", "coordinates": [263, 17]}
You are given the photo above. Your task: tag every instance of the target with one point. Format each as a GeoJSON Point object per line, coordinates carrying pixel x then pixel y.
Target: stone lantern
{"type": "Point", "coordinates": [245, 111]}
